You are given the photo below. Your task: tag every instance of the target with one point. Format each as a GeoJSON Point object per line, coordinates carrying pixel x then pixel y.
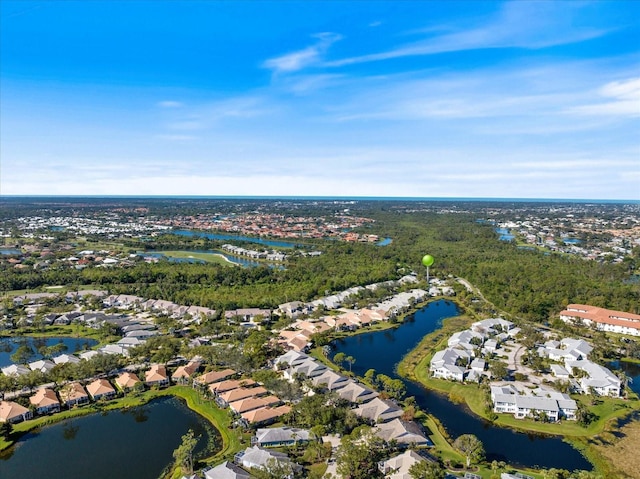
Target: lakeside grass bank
{"type": "Point", "coordinates": [232, 440]}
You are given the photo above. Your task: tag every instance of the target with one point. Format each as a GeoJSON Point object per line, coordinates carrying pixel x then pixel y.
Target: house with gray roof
{"type": "Point", "coordinates": [226, 470]}
{"type": "Point", "coordinates": [280, 436]}
{"type": "Point", "coordinates": [402, 432]}
{"type": "Point", "coordinates": [379, 410]}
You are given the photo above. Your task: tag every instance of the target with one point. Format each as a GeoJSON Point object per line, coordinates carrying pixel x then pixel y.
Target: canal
{"type": "Point", "coordinates": [132, 443]}
{"type": "Point", "coordinates": [383, 350]}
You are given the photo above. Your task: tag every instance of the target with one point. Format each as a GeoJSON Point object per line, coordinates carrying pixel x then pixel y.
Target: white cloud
{"type": "Point", "coordinates": [624, 100]}
{"type": "Point", "coordinates": [518, 24]}
{"type": "Point", "coordinates": [306, 57]}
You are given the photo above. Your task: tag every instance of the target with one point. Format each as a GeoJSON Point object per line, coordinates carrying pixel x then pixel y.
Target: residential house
{"type": "Point", "coordinates": [356, 393]}
{"type": "Point", "coordinates": [101, 389]}
{"type": "Point", "coordinates": [265, 415]}
{"type": "Point", "coordinates": [221, 387]}
{"type": "Point", "coordinates": [379, 410]}
{"type": "Point", "coordinates": [74, 394]}
{"type": "Point", "coordinates": [213, 377]}
{"type": "Point", "coordinates": [251, 403]}
{"type": "Point", "coordinates": [255, 457]}
{"type": "Point", "coordinates": [183, 374]}
{"type": "Point", "coordinates": [280, 437]}
{"type": "Point", "coordinates": [402, 432]}
{"type": "Point", "coordinates": [15, 370]}
{"type": "Point", "coordinates": [156, 376]}
{"type": "Point", "coordinates": [45, 401]}
{"type": "Point", "coordinates": [227, 397]}
{"type": "Point", "coordinates": [13, 412]}
{"type": "Point", "coordinates": [226, 470]}
{"type": "Point", "coordinates": [398, 467]}
{"type": "Point", "coordinates": [127, 381]}
{"type": "Point", "coordinates": [329, 380]}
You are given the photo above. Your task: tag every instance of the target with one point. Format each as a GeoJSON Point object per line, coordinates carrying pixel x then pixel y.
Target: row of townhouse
{"type": "Point", "coordinates": [47, 401]}
{"type": "Point", "coordinates": [251, 402]}
{"type": "Point", "coordinates": [297, 336]}
{"type": "Point", "coordinates": [294, 309]}
{"type": "Point", "coordinates": [603, 319]}
{"type": "Point", "coordinates": [160, 306]}
{"type": "Point", "coordinates": [268, 255]}
{"type": "Point", "coordinates": [459, 361]}
{"type": "Point", "coordinates": [385, 415]}
{"type": "Point", "coordinates": [527, 403]}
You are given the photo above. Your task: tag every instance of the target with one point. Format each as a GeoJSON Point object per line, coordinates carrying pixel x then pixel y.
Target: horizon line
{"type": "Point", "coordinates": [342, 198]}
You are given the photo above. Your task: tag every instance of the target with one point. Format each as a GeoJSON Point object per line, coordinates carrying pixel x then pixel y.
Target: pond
{"type": "Point", "coordinates": [382, 350]}
{"type": "Point", "coordinates": [126, 444]}
{"type": "Point", "coordinates": [8, 346]}
{"type": "Point", "coordinates": [505, 234]}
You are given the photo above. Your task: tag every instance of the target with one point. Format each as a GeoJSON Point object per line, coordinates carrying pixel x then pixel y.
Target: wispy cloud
{"type": "Point", "coordinates": [519, 24]}
{"type": "Point", "coordinates": [621, 98]}
{"type": "Point", "coordinates": [312, 55]}
{"type": "Point", "coordinates": [170, 104]}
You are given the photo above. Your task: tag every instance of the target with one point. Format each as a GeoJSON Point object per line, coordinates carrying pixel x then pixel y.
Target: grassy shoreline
{"type": "Point", "coordinates": [232, 441]}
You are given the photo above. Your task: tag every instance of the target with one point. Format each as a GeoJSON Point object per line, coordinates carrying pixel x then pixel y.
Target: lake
{"type": "Point", "coordinates": [383, 350]}
{"type": "Point", "coordinates": [632, 370]}
{"type": "Point", "coordinates": [8, 346]}
{"type": "Point", "coordinates": [126, 444]}
{"type": "Point", "coordinates": [227, 237]}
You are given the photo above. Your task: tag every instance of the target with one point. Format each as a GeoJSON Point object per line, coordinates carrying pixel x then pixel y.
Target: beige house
{"type": "Point", "coordinates": [101, 389]}
{"type": "Point", "coordinates": [156, 376]}
{"type": "Point", "coordinates": [13, 412]}
{"type": "Point", "coordinates": [127, 381]}
{"type": "Point", "coordinates": [45, 401]}
{"type": "Point", "coordinates": [74, 394]}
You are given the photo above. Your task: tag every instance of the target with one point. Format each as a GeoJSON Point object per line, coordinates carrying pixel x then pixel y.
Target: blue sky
{"type": "Point", "coordinates": [434, 99]}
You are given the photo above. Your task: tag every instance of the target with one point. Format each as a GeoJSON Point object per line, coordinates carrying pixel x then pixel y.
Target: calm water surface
{"type": "Point", "coordinates": [249, 239]}
{"type": "Point", "coordinates": [8, 346]}
{"type": "Point", "coordinates": [127, 444]}
{"type": "Point", "coordinates": [383, 350]}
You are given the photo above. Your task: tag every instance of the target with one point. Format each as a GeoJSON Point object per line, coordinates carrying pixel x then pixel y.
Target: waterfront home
{"type": "Point", "coordinates": [598, 380]}
{"type": "Point", "coordinates": [402, 432]}
{"type": "Point", "coordinates": [265, 415]}
{"type": "Point", "coordinates": [156, 376]}
{"type": "Point", "coordinates": [539, 403]}
{"type": "Point", "coordinates": [13, 412]}
{"type": "Point", "coordinates": [379, 410]}
{"type": "Point", "coordinates": [356, 393]}
{"type": "Point", "coordinates": [308, 368]}
{"type": "Point", "coordinates": [226, 470]}
{"type": "Point", "coordinates": [100, 389]}
{"type": "Point", "coordinates": [74, 394]}
{"type": "Point", "coordinates": [66, 358]}
{"type": "Point", "coordinates": [445, 364]}
{"type": "Point", "coordinates": [280, 437]}
{"type": "Point", "coordinates": [251, 403]}
{"type": "Point", "coordinates": [329, 380]}
{"type": "Point", "coordinates": [15, 370]}
{"type": "Point", "coordinates": [127, 381]}
{"type": "Point", "coordinates": [213, 377]}
{"type": "Point", "coordinates": [43, 365]}
{"type": "Point", "coordinates": [45, 401]}
{"type": "Point", "coordinates": [183, 374]}
{"type": "Point", "coordinates": [398, 467]}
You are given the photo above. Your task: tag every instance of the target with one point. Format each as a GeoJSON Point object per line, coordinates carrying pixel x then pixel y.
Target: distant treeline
{"type": "Point", "coordinates": [529, 284]}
